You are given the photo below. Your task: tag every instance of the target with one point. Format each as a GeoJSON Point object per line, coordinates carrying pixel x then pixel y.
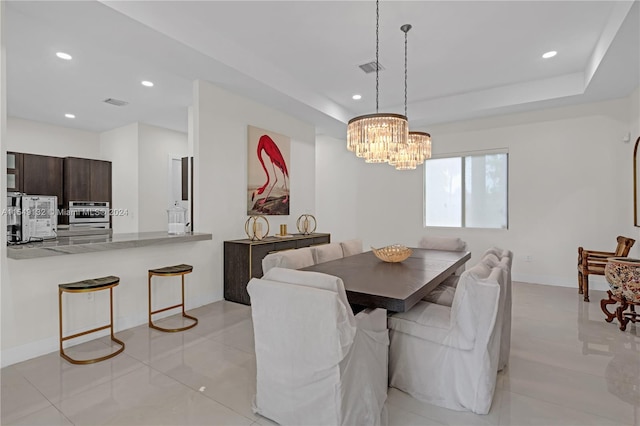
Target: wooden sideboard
{"type": "Point", "coordinates": [243, 260]}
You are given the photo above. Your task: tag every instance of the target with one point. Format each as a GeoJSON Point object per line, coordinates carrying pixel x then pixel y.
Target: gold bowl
{"type": "Point", "coordinates": [393, 253]}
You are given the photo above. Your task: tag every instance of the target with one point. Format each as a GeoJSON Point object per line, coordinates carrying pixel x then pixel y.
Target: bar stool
{"type": "Point", "coordinates": [86, 286]}
{"type": "Point", "coordinates": [169, 271]}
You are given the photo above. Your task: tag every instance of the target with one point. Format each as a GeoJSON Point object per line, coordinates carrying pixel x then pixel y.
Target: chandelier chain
{"type": "Point", "coordinates": [377, 51]}
{"type": "Point", "coordinates": [405, 73]}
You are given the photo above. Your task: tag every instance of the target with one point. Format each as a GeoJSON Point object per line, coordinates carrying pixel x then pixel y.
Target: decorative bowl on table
{"type": "Point", "coordinates": [623, 276]}
{"type": "Point", "coordinates": [392, 253]}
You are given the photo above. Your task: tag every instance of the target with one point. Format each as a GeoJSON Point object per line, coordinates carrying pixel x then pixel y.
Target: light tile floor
{"type": "Point", "coordinates": [567, 367]}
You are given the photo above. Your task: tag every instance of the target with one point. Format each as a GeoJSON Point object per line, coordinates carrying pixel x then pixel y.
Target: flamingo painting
{"type": "Point", "coordinates": [276, 197]}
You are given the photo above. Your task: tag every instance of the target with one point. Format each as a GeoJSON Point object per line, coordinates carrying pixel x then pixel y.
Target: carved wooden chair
{"type": "Point", "coordinates": [591, 262]}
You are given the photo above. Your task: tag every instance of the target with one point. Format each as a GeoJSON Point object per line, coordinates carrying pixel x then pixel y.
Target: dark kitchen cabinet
{"type": "Point", "coordinates": [101, 181]}
{"type": "Point", "coordinates": [14, 171]}
{"type": "Point", "coordinates": [86, 180]}
{"type": "Point", "coordinates": [42, 175]}
{"type": "Point", "coordinates": [77, 179]}
{"type": "Point", "coordinates": [185, 178]}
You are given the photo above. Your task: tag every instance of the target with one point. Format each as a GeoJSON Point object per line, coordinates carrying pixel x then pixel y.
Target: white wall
{"type": "Point", "coordinates": [635, 115]}
{"type": "Point", "coordinates": [634, 135]}
{"type": "Point", "coordinates": [120, 146]}
{"type": "Point", "coordinates": [220, 156]}
{"type": "Point", "coordinates": [336, 189]}
{"type": "Point", "coordinates": [4, 275]}
{"type": "Point", "coordinates": [570, 184]}
{"type": "Point", "coordinates": [39, 138]}
{"type": "Point", "coordinates": [155, 146]}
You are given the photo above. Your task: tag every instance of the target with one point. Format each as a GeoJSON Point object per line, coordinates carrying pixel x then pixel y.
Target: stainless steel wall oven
{"type": "Point", "coordinates": [89, 213]}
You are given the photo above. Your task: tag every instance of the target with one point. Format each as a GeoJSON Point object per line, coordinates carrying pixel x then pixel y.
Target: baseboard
{"type": "Point", "coordinates": [51, 344]}
{"type": "Point", "coordinates": [595, 282]}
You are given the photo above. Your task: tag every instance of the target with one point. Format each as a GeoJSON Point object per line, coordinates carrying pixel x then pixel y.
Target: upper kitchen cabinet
{"type": "Point", "coordinates": [42, 175]}
{"type": "Point", "coordinates": [14, 171]}
{"type": "Point", "coordinates": [86, 180]}
{"type": "Point", "coordinates": [100, 180]}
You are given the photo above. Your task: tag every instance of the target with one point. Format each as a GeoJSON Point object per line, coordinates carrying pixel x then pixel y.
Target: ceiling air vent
{"type": "Point", "coordinates": [116, 102]}
{"type": "Point", "coordinates": [371, 67]}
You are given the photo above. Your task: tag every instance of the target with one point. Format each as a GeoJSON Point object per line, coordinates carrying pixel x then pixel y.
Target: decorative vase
{"type": "Point", "coordinates": [623, 276]}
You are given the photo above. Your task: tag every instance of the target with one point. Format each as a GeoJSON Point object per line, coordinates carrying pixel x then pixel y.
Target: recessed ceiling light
{"type": "Point", "coordinates": [147, 83]}
{"type": "Point", "coordinates": [550, 54]}
{"type": "Point", "coordinates": [356, 97]}
{"type": "Point", "coordinates": [70, 115]}
{"type": "Point", "coordinates": [64, 56]}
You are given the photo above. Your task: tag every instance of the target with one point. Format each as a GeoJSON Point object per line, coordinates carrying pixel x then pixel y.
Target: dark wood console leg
{"type": "Point", "coordinates": [603, 306]}
{"type": "Point", "coordinates": [580, 277]}
{"type": "Point", "coordinates": [585, 287]}
{"type": "Point", "coordinates": [580, 282]}
{"type": "Point", "coordinates": [620, 315]}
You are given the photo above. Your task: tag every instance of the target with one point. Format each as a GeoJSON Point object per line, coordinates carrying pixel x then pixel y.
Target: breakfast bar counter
{"type": "Point", "coordinates": [97, 243]}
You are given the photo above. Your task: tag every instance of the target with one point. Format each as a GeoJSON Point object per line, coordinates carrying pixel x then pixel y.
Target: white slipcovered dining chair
{"type": "Point", "coordinates": [505, 339]}
{"type": "Point", "coordinates": [326, 252]}
{"type": "Point", "coordinates": [437, 242]}
{"type": "Point", "coordinates": [443, 294]}
{"type": "Point", "coordinates": [448, 356]}
{"type": "Point", "coordinates": [498, 252]}
{"type": "Point", "coordinates": [351, 247]}
{"type": "Point", "coordinates": [291, 259]}
{"type": "Point", "coordinates": [316, 362]}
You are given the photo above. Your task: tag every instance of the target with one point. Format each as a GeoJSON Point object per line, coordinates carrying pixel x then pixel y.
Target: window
{"type": "Point", "coordinates": [467, 191]}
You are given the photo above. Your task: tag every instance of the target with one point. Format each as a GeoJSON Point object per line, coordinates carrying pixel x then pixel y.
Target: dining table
{"type": "Point", "coordinates": [396, 286]}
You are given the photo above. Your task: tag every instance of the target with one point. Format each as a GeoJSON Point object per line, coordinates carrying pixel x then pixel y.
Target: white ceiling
{"type": "Point", "coordinates": [466, 59]}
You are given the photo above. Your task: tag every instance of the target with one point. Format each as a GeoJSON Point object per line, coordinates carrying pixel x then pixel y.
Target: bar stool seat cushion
{"type": "Point", "coordinates": [94, 283]}
{"type": "Point", "coordinates": [176, 269]}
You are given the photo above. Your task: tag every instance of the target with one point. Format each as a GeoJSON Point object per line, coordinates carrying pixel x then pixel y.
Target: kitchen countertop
{"type": "Point", "coordinates": [95, 243]}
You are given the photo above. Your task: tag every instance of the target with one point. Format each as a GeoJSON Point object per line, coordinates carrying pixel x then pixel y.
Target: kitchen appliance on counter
{"type": "Point", "coordinates": [31, 217]}
{"type": "Point", "coordinates": [89, 214]}
{"type": "Point", "coordinates": [177, 216]}
{"type": "Point", "coordinates": [14, 219]}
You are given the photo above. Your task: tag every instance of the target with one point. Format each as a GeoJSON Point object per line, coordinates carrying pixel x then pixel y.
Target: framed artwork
{"type": "Point", "coordinates": [268, 172]}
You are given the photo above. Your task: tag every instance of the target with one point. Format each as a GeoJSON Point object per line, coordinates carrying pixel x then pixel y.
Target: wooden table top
{"type": "Point", "coordinates": [372, 283]}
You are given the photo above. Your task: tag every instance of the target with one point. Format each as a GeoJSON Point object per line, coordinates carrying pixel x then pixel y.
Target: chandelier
{"type": "Point", "coordinates": [418, 146]}
{"type": "Point", "coordinates": [379, 137]}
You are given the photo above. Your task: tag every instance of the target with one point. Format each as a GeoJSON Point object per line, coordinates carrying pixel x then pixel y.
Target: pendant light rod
{"type": "Point", "coordinates": [405, 29]}
{"type": "Point", "coordinates": [377, 50]}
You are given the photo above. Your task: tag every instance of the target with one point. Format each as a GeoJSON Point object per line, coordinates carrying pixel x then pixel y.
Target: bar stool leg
{"type": "Point", "coordinates": [150, 322]}
{"type": "Point", "coordinates": [181, 305]}
{"type": "Point", "coordinates": [183, 313]}
{"type": "Point", "coordinates": [60, 320]}
{"type": "Point", "coordinates": [110, 326]}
